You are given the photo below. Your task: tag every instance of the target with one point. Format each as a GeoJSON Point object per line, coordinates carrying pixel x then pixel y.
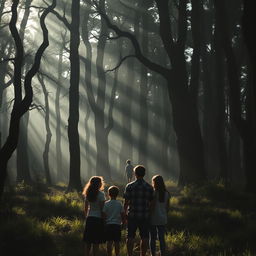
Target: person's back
{"type": "Point", "coordinates": [139, 193]}
{"type": "Point", "coordinates": [94, 225]}
{"type": "Point", "coordinates": [160, 207]}
{"type": "Point", "coordinates": [113, 210]}
{"type": "Point", "coordinates": [114, 216]}
{"type": "Point", "coordinates": [159, 211]}
{"type": "Point", "coordinates": [138, 197]}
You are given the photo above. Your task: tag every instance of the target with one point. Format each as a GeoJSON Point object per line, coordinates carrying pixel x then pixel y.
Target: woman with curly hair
{"type": "Point", "coordinates": [94, 199]}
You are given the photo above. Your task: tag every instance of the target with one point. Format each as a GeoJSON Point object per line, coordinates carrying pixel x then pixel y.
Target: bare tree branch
{"type": "Point", "coordinates": [120, 62]}
{"type": "Point", "coordinates": [138, 53]}
{"type": "Point", "coordinates": [62, 18]}
{"type": "Point", "coordinates": [6, 60]}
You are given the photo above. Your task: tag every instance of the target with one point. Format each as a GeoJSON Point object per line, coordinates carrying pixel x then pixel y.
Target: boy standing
{"type": "Point", "coordinates": [113, 212]}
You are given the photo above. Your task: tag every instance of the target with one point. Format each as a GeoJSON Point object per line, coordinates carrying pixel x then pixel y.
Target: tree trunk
{"type": "Point", "coordinates": [48, 133]}
{"type": "Point", "coordinates": [189, 140]}
{"type": "Point", "coordinates": [73, 135]}
{"type": "Point", "coordinates": [250, 138]}
{"type": "Point", "coordinates": [88, 81]}
{"type": "Point", "coordinates": [23, 171]}
{"type": "Point", "coordinates": [244, 127]}
{"type": "Point", "coordinates": [126, 99]}
{"type": "Point", "coordinates": [59, 167]}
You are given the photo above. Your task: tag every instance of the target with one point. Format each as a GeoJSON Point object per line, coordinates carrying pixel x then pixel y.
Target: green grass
{"type": "Point", "coordinates": [207, 220]}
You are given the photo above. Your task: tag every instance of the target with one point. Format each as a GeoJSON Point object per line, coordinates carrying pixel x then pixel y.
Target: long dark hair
{"type": "Point", "coordinates": [159, 186]}
{"type": "Point", "coordinates": [92, 188]}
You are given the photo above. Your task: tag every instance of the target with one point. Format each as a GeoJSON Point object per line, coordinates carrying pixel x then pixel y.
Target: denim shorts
{"type": "Point", "coordinates": [142, 224]}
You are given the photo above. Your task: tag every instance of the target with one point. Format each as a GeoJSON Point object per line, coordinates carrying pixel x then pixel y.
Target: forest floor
{"type": "Point", "coordinates": [210, 220]}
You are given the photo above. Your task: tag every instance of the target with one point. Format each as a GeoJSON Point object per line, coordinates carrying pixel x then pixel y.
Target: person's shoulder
{"type": "Point", "coordinates": [130, 184]}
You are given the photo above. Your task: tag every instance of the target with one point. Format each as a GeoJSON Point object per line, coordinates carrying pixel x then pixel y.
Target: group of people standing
{"type": "Point", "coordinates": [145, 209]}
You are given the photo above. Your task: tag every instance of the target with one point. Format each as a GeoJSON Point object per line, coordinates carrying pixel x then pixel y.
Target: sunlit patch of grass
{"type": "Point", "coordinates": [174, 201]}
{"type": "Point", "coordinates": [22, 188]}
{"type": "Point", "coordinates": [176, 240]}
{"type": "Point", "coordinates": [47, 227]}
{"type": "Point", "coordinates": [233, 214]}
{"type": "Point", "coordinates": [64, 225]}
{"type": "Point", "coordinates": [170, 184]}
{"type": "Point", "coordinates": [19, 210]}
{"type": "Point", "coordinates": [175, 214]}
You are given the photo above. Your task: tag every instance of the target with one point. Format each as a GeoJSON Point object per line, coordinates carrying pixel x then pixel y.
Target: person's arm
{"type": "Point", "coordinates": [86, 204]}
{"type": "Point", "coordinates": [123, 218]}
{"type": "Point", "coordinates": [127, 197]}
{"type": "Point", "coordinates": [126, 205]}
{"type": "Point", "coordinates": [125, 213]}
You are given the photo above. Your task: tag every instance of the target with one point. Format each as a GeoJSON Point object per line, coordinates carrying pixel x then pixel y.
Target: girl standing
{"type": "Point", "coordinates": [159, 214]}
{"type": "Point", "coordinates": [94, 199]}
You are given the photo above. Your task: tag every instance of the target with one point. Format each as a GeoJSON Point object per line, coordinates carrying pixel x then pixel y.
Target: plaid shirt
{"type": "Point", "coordinates": [139, 194]}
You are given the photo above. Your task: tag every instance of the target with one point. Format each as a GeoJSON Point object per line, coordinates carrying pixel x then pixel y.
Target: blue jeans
{"type": "Point", "coordinates": [157, 232]}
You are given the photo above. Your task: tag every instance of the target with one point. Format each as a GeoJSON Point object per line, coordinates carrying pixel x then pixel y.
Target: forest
{"type": "Point", "coordinates": [86, 85]}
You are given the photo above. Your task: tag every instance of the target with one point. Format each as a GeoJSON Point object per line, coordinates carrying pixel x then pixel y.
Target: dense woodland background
{"type": "Point", "coordinates": [85, 85]}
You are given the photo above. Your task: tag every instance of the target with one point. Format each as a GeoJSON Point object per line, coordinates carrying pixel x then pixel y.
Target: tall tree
{"type": "Point", "coordinates": [57, 108]}
{"type": "Point", "coordinates": [21, 106]}
{"type": "Point", "coordinates": [73, 119]}
{"type": "Point", "coordinates": [98, 104]}
{"type": "Point", "coordinates": [48, 131]}
{"type": "Point", "coordinates": [23, 172]}
{"type": "Point", "coordinates": [73, 135]}
{"type": "Point", "coordinates": [245, 126]}
{"type": "Point", "coordinates": [248, 32]}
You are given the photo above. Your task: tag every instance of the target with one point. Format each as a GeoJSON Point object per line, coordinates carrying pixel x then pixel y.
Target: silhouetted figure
{"type": "Point", "coordinates": [160, 208]}
{"type": "Point", "coordinates": [94, 199]}
{"type": "Point", "coordinates": [113, 212]}
{"type": "Point", "coordinates": [129, 171]}
{"type": "Point", "coordinates": [138, 197]}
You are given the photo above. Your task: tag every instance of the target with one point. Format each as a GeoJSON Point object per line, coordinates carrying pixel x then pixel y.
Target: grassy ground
{"type": "Point", "coordinates": [210, 220]}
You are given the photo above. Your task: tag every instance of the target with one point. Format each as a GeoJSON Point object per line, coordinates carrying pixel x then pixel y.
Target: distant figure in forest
{"type": "Point", "coordinates": [94, 199]}
{"type": "Point", "coordinates": [138, 197]}
{"type": "Point", "coordinates": [158, 219]}
{"type": "Point", "coordinates": [113, 212]}
{"type": "Point", "coordinates": [129, 171]}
